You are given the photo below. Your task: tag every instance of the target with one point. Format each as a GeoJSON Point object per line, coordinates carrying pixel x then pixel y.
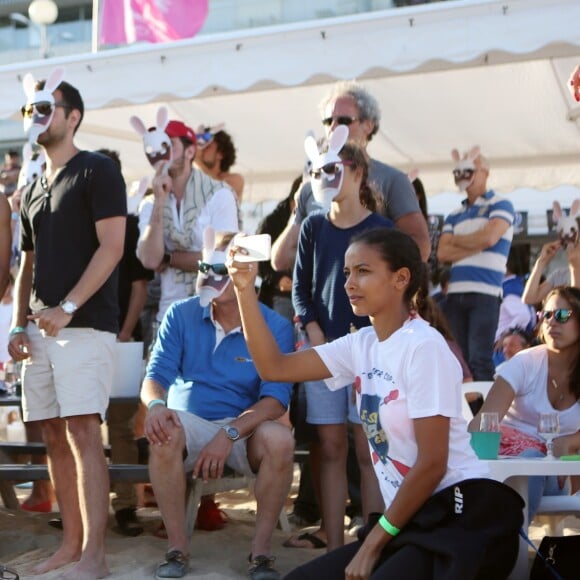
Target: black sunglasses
{"type": "Point", "coordinates": [340, 120]}
{"type": "Point", "coordinates": [329, 169]}
{"type": "Point", "coordinates": [219, 269]}
{"type": "Point", "coordinates": [463, 173]}
{"type": "Point", "coordinates": [561, 315]}
{"type": "Point", "coordinates": [43, 108]}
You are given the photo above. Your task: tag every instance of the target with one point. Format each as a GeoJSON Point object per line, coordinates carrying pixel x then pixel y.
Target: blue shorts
{"type": "Point", "coordinates": [326, 407]}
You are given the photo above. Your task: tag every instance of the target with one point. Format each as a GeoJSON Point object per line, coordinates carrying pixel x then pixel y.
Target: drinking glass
{"type": "Point", "coordinates": [489, 423]}
{"type": "Point", "coordinates": [548, 429]}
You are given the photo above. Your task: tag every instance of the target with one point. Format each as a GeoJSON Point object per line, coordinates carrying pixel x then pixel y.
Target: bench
{"type": "Point", "coordinates": [13, 448]}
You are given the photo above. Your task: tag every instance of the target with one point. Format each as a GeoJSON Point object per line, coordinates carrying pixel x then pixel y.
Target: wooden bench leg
{"type": "Point", "coordinates": [8, 495]}
{"type": "Point", "coordinates": [192, 500]}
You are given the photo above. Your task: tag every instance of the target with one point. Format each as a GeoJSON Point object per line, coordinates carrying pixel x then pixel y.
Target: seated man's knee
{"type": "Point", "coordinates": [276, 440]}
{"type": "Point", "coordinates": [169, 451]}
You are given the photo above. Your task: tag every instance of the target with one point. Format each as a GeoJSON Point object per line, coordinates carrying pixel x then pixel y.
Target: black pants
{"type": "Point", "coordinates": [408, 562]}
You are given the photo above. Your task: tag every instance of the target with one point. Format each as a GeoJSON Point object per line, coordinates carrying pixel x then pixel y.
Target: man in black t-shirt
{"type": "Point", "coordinates": [66, 314]}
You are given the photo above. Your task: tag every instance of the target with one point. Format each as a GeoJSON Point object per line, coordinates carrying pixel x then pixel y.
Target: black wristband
{"type": "Point", "coordinates": [166, 259]}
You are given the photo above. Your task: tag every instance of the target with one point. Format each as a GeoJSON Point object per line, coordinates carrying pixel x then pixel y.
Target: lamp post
{"type": "Point", "coordinates": [43, 13]}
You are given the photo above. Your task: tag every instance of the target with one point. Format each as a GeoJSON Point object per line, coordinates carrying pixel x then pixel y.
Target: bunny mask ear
{"type": "Point", "coordinates": [327, 168]}
{"type": "Point", "coordinates": [37, 123]}
{"type": "Point", "coordinates": [210, 285]}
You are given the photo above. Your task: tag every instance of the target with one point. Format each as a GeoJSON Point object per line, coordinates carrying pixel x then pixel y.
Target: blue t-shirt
{"type": "Point", "coordinates": [208, 381]}
{"type": "Point", "coordinates": [318, 285]}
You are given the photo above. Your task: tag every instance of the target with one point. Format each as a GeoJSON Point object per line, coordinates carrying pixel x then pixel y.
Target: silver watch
{"type": "Point", "coordinates": [232, 433]}
{"type": "Point", "coordinates": [69, 307]}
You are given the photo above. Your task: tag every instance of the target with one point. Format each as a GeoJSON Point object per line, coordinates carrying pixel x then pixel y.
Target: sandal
{"type": "Point", "coordinates": [175, 565]}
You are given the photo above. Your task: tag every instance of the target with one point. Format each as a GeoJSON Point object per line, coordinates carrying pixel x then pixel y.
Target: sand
{"type": "Point", "coordinates": [27, 539]}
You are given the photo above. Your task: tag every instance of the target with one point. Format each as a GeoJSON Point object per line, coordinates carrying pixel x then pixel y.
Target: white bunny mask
{"type": "Point", "coordinates": [156, 142]}
{"type": "Point", "coordinates": [464, 170]}
{"type": "Point", "coordinates": [32, 167]}
{"type": "Point", "coordinates": [327, 168]}
{"type": "Point", "coordinates": [37, 123]}
{"type": "Point", "coordinates": [567, 225]}
{"type": "Point", "coordinates": [210, 285]}
{"type": "Point", "coordinates": [205, 134]}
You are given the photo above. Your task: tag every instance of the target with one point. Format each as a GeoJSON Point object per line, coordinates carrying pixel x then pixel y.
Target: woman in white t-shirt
{"type": "Point", "coordinates": [542, 379]}
{"type": "Point", "coordinates": [441, 515]}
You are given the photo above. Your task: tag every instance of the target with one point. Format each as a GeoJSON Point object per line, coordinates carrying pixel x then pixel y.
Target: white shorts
{"type": "Point", "coordinates": [199, 432]}
{"type": "Point", "coordinates": [67, 375]}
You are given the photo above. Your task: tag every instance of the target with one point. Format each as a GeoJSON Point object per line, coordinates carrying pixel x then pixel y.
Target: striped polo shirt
{"type": "Point", "coordinates": [482, 272]}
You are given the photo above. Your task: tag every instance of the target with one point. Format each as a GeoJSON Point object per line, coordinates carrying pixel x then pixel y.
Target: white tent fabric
{"type": "Point", "coordinates": [449, 74]}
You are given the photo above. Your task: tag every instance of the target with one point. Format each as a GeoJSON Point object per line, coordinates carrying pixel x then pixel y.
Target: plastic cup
{"type": "Point", "coordinates": [485, 444]}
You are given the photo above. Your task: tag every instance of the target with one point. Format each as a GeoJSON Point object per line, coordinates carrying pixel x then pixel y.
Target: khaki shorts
{"type": "Point", "coordinates": [67, 375]}
{"type": "Point", "coordinates": [199, 432]}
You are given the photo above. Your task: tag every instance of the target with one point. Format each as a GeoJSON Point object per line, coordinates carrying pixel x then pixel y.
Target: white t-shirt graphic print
{"type": "Point", "coordinates": [411, 375]}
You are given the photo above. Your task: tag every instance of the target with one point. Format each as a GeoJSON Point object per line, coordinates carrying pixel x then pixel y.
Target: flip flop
{"type": "Point", "coordinates": [8, 573]}
{"type": "Point", "coordinates": [315, 541]}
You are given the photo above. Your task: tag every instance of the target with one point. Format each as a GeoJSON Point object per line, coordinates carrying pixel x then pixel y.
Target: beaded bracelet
{"type": "Point", "coordinates": [388, 526]}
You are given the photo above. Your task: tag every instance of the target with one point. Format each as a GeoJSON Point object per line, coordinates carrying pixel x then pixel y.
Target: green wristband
{"type": "Point", "coordinates": [388, 526]}
{"type": "Point", "coordinates": [17, 330]}
{"type": "Point", "coordinates": [155, 402]}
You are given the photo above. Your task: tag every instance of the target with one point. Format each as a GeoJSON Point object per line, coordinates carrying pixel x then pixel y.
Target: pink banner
{"type": "Point", "coordinates": [127, 21]}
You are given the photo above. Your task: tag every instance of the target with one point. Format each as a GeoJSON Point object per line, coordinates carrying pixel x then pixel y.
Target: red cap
{"type": "Point", "coordinates": [180, 129]}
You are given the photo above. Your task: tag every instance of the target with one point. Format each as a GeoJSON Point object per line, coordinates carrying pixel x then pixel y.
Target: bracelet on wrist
{"type": "Point", "coordinates": [154, 402]}
{"type": "Point", "coordinates": [388, 526]}
{"type": "Point", "coordinates": [17, 330]}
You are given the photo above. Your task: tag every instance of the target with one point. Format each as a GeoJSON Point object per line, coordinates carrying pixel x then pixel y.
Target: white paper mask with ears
{"type": "Point", "coordinates": [464, 170]}
{"type": "Point", "coordinates": [567, 225]}
{"type": "Point", "coordinates": [156, 142]}
{"type": "Point", "coordinates": [32, 167]}
{"type": "Point", "coordinates": [204, 134]}
{"type": "Point", "coordinates": [36, 122]}
{"type": "Point", "coordinates": [209, 283]}
{"type": "Point", "coordinates": [327, 169]}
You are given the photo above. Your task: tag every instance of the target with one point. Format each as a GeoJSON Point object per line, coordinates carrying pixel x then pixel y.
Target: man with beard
{"type": "Point", "coordinates": [65, 318]}
{"type": "Point", "coordinates": [171, 222]}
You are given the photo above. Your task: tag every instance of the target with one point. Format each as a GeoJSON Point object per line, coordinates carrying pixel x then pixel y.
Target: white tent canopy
{"type": "Point", "coordinates": [450, 74]}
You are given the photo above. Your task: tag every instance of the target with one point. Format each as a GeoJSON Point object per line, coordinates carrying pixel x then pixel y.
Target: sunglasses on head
{"type": "Point", "coordinates": [219, 269]}
{"type": "Point", "coordinates": [561, 315]}
{"type": "Point", "coordinates": [329, 169]}
{"type": "Point", "coordinates": [340, 120]}
{"type": "Point", "coordinates": [43, 108]}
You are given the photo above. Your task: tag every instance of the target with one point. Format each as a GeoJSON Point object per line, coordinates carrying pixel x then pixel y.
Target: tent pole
{"type": "Point", "coordinates": [95, 27]}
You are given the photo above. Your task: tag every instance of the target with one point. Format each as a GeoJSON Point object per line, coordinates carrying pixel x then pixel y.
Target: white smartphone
{"type": "Point", "coordinates": [258, 247]}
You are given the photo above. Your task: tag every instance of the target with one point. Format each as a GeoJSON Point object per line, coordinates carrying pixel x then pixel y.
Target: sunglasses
{"type": "Point", "coordinates": [219, 269]}
{"type": "Point", "coordinates": [330, 169]}
{"type": "Point", "coordinates": [43, 108]}
{"type": "Point", "coordinates": [340, 120]}
{"type": "Point", "coordinates": [561, 315]}
{"type": "Point", "coordinates": [463, 173]}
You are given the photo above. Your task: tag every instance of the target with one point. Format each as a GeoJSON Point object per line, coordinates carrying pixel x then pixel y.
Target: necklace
{"type": "Point", "coordinates": [555, 385]}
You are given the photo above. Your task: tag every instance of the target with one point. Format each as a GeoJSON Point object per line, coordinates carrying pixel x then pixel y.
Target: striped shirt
{"type": "Point", "coordinates": [484, 271]}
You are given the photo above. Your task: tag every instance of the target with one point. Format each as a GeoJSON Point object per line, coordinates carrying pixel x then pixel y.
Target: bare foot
{"type": "Point", "coordinates": [87, 570]}
{"type": "Point", "coordinates": [60, 558]}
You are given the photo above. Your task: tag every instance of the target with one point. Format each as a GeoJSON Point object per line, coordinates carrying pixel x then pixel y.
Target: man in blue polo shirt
{"type": "Point", "coordinates": [208, 404]}
{"type": "Point", "coordinates": [476, 240]}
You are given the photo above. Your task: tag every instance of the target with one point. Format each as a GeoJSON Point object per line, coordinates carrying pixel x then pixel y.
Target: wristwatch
{"type": "Point", "coordinates": [232, 433]}
{"type": "Point", "coordinates": [69, 307]}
